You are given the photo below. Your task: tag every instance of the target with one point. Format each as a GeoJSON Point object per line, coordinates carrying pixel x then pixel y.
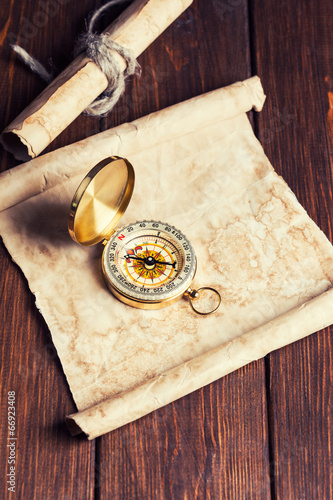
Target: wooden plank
{"type": "Point", "coordinates": [212, 443]}
{"type": "Point", "coordinates": [30, 368]}
{"type": "Point", "coordinates": [292, 43]}
{"type": "Point", "coordinates": [49, 463]}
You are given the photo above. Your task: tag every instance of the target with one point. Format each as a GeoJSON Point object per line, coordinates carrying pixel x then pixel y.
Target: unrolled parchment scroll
{"type": "Point", "coordinates": [79, 85]}
{"type": "Point", "coordinates": [199, 167]}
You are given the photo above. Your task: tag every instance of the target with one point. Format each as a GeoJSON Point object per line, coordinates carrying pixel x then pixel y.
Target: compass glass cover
{"type": "Point", "coordinates": [149, 261]}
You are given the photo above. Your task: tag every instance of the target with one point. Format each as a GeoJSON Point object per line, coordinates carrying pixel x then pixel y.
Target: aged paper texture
{"type": "Point", "coordinates": [200, 168]}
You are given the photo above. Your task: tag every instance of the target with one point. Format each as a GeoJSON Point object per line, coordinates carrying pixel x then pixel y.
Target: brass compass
{"type": "Point", "coordinates": [148, 264]}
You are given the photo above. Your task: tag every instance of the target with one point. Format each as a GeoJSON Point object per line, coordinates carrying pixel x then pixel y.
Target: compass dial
{"type": "Point", "coordinates": [150, 262]}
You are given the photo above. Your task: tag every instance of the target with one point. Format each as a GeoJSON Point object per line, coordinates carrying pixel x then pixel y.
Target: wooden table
{"type": "Point", "coordinates": [265, 430]}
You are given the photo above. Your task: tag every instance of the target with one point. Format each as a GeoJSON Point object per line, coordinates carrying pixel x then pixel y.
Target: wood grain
{"type": "Point", "coordinates": [264, 431]}
{"type": "Point", "coordinates": [296, 45]}
{"type": "Point", "coordinates": [210, 444]}
{"type": "Point", "coordinates": [48, 465]}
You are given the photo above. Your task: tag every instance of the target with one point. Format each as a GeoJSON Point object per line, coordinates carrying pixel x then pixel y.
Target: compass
{"type": "Point", "coordinates": [148, 264]}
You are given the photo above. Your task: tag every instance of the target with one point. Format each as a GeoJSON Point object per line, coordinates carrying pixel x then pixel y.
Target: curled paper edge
{"type": "Point", "coordinates": [48, 170]}
{"type": "Point", "coordinates": [200, 371]}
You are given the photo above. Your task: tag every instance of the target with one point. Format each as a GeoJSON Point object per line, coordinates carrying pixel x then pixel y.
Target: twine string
{"type": "Point", "coordinates": [99, 48]}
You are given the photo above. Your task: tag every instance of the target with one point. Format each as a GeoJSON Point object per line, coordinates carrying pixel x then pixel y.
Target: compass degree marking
{"type": "Point", "coordinates": [171, 265]}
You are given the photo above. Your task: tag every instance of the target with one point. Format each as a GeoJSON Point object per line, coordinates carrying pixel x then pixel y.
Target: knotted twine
{"type": "Point", "coordinates": [98, 47]}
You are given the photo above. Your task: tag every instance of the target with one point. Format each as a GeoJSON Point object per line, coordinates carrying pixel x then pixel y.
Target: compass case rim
{"type": "Point", "coordinates": [153, 301]}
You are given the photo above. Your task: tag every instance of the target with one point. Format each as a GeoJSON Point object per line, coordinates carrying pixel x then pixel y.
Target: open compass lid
{"type": "Point", "coordinates": [100, 201]}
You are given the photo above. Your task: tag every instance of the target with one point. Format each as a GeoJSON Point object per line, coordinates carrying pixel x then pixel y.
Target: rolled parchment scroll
{"type": "Point", "coordinates": [83, 81]}
{"type": "Point", "coordinates": [199, 167]}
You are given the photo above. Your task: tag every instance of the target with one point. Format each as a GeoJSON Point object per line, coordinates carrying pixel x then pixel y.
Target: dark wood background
{"type": "Point", "coordinates": [265, 431]}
